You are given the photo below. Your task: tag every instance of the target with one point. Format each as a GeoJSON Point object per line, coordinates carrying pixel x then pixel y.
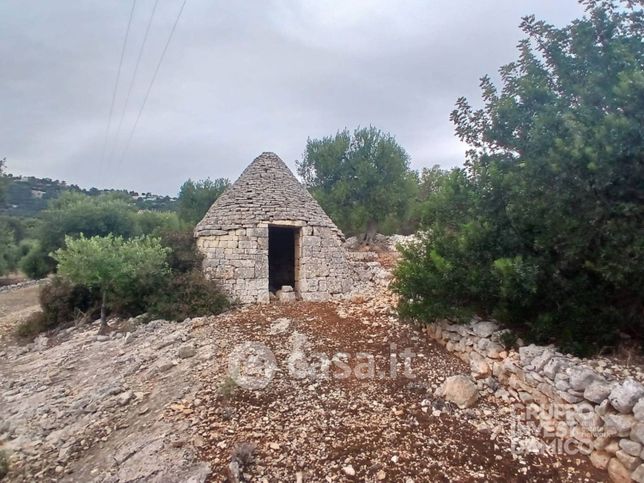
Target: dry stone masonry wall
{"type": "Point", "coordinates": [234, 234]}
{"type": "Point", "coordinates": [597, 405]}
{"type": "Point", "coordinates": [238, 259]}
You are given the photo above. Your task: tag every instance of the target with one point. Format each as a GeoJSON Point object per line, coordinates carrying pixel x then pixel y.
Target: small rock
{"type": "Point", "coordinates": [541, 360]}
{"type": "Point", "coordinates": [617, 472]}
{"type": "Point", "coordinates": [529, 352]}
{"type": "Point", "coordinates": [629, 462]}
{"type": "Point", "coordinates": [600, 459]}
{"type": "Point", "coordinates": [186, 351]}
{"type": "Point", "coordinates": [638, 410]}
{"type": "Point", "coordinates": [630, 447]}
{"type": "Point", "coordinates": [624, 396]}
{"type": "Point", "coordinates": [582, 377]}
{"type": "Point", "coordinates": [619, 424]}
{"type": "Point", "coordinates": [349, 470]}
{"type": "Point", "coordinates": [102, 338]}
{"type": "Point", "coordinates": [638, 474]}
{"type": "Point", "coordinates": [165, 365]}
{"type": "Point", "coordinates": [125, 398]}
{"type": "Point", "coordinates": [597, 391]}
{"type": "Point", "coordinates": [637, 433]}
{"type": "Point", "coordinates": [286, 295]}
{"type": "Point", "coordinates": [485, 329]}
{"type": "Point", "coordinates": [479, 367]}
{"type": "Point", "coordinates": [461, 390]}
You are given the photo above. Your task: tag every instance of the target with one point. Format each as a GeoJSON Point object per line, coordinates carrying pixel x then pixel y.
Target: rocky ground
{"type": "Point", "coordinates": [156, 402]}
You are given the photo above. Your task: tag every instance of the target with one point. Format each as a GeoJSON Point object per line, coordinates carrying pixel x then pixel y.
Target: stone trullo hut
{"type": "Point", "coordinates": [266, 231]}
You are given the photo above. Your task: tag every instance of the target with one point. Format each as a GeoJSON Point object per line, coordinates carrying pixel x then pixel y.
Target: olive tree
{"type": "Point", "coordinates": [110, 264]}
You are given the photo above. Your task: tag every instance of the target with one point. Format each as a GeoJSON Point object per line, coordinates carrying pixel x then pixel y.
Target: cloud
{"type": "Point", "coordinates": [240, 78]}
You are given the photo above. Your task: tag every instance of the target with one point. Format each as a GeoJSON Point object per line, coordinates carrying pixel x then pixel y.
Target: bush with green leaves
{"type": "Point", "coordinates": [112, 265]}
{"type": "Point", "coordinates": [61, 302]}
{"type": "Point", "coordinates": [543, 229]}
{"type": "Point", "coordinates": [185, 295]}
{"type": "Point", "coordinates": [8, 250]}
{"type": "Point", "coordinates": [35, 263]}
{"type": "Point", "coordinates": [184, 255]}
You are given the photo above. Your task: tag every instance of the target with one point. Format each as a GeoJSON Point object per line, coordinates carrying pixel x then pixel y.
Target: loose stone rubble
{"type": "Point", "coordinates": [598, 405]}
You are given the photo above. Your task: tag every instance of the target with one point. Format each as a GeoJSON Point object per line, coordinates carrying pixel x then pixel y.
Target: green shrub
{"type": "Point", "coordinates": [62, 302]}
{"type": "Point", "coordinates": [36, 264]}
{"type": "Point", "coordinates": [187, 295]}
{"type": "Point", "coordinates": [184, 256]}
{"type": "Point", "coordinates": [543, 229]}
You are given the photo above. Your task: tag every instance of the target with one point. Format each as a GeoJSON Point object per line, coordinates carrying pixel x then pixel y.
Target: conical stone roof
{"type": "Point", "coordinates": [267, 191]}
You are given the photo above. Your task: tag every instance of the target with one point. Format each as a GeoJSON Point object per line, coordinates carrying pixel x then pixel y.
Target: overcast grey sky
{"type": "Point", "coordinates": [240, 78]}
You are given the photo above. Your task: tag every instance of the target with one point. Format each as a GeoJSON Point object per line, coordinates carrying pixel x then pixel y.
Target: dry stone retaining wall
{"type": "Point", "coordinates": [586, 401]}
{"type": "Point", "coordinates": [16, 286]}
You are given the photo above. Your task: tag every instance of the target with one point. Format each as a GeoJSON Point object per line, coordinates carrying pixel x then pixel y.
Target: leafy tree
{"type": "Point", "coordinates": [7, 238]}
{"type": "Point", "coordinates": [8, 249]}
{"type": "Point", "coordinates": [110, 263]}
{"type": "Point", "coordinates": [549, 233]}
{"type": "Point", "coordinates": [73, 214]}
{"type": "Point", "coordinates": [157, 222]}
{"type": "Point", "coordinates": [359, 178]}
{"type": "Point", "coordinates": [196, 197]}
{"type": "Point", "coordinates": [3, 181]}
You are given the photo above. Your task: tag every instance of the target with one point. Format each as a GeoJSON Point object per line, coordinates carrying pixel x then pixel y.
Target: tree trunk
{"type": "Point", "coordinates": [103, 328]}
{"type": "Point", "coordinates": [372, 229]}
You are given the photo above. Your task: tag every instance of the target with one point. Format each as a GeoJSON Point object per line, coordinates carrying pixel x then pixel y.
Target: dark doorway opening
{"type": "Point", "coordinates": [282, 257]}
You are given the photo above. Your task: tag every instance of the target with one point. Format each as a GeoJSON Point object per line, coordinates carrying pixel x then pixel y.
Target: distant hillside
{"type": "Point", "coordinates": [28, 195]}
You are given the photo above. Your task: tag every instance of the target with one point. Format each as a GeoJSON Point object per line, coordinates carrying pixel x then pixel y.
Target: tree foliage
{"type": "Point", "coordinates": [360, 179]}
{"type": "Point", "coordinates": [73, 214]}
{"type": "Point", "coordinates": [7, 238]}
{"type": "Point", "coordinates": [3, 181]}
{"type": "Point", "coordinates": [111, 264]}
{"type": "Point", "coordinates": [548, 229]}
{"type": "Point", "coordinates": [196, 197]}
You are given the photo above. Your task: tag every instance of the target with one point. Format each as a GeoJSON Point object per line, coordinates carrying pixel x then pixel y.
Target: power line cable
{"type": "Point", "coordinates": [116, 84]}
{"type": "Point", "coordinates": [133, 79]}
{"type": "Point", "coordinates": [156, 72]}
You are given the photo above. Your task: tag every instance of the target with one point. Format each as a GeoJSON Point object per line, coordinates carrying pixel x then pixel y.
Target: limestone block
{"type": "Point", "coordinates": [624, 396]}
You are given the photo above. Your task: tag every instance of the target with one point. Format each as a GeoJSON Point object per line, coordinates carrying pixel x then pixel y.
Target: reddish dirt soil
{"type": "Point", "coordinates": [385, 429]}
